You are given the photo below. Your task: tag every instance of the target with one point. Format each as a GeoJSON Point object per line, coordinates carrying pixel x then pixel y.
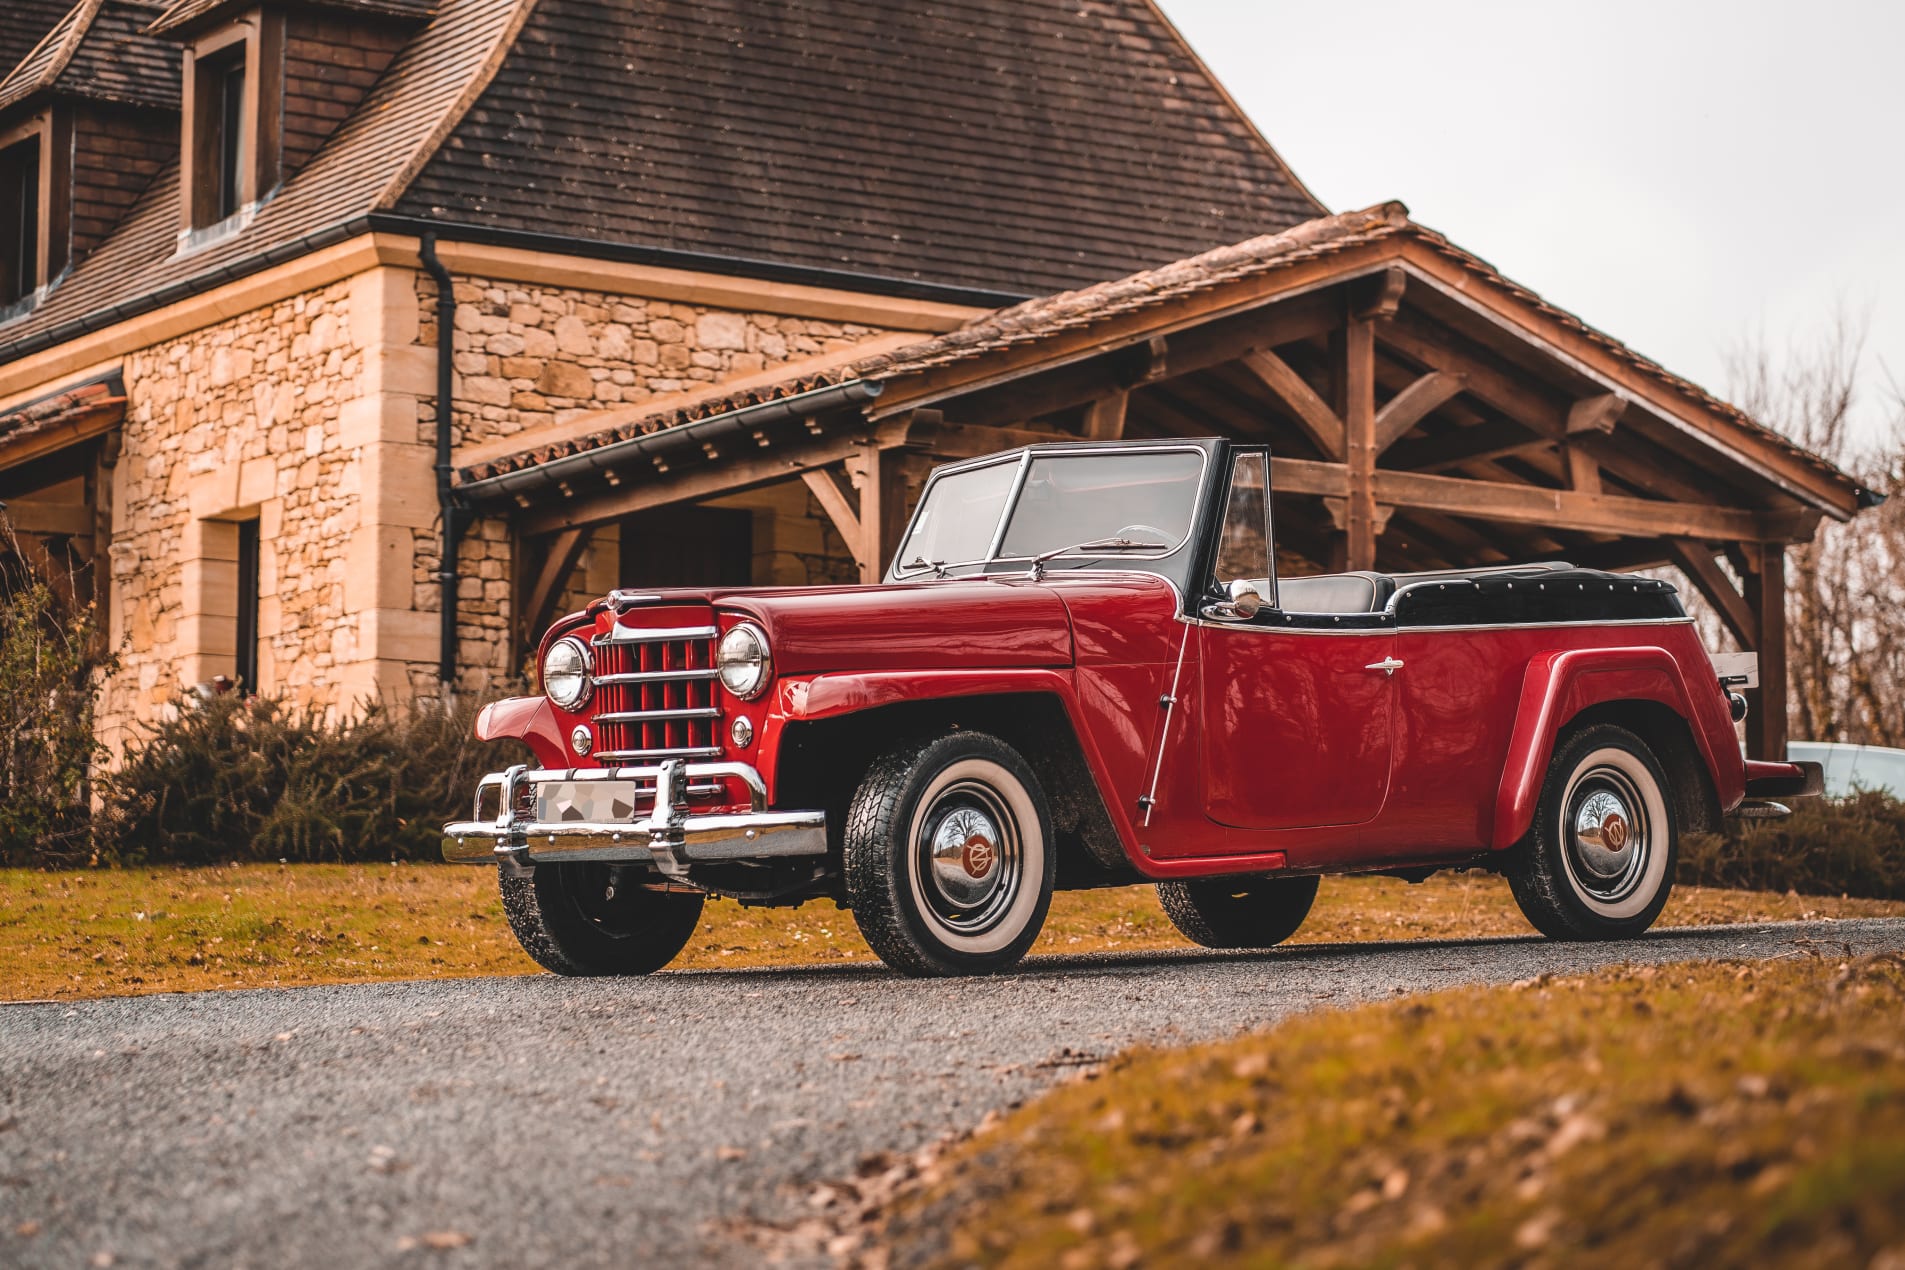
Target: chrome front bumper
{"type": "Point", "coordinates": [667, 837]}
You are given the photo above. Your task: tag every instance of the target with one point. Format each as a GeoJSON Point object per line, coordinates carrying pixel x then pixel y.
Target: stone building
{"type": "Point", "coordinates": [219, 368]}
{"type": "Point", "coordinates": [300, 299]}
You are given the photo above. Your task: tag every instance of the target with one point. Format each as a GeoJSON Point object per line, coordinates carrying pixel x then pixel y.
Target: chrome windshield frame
{"type": "Point", "coordinates": [1024, 460]}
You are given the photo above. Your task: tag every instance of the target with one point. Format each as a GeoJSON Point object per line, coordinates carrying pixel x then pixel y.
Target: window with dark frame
{"type": "Point", "coordinates": [247, 634]}
{"type": "Point", "coordinates": [19, 220]}
{"type": "Point", "coordinates": [227, 110]}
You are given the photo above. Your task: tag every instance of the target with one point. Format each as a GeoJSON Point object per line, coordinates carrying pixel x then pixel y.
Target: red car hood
{"type": "Point", "coordinates": [927, 625]}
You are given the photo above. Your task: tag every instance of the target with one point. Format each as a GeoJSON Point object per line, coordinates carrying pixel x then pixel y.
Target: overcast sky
{"type": "Point", "coordinates": [1682, 175]}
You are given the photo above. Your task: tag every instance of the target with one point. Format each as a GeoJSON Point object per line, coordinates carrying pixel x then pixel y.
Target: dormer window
{"type": "Point", "coordinates": [232, 122]}
{"type": "Point", "coordinates": [19, 221]}
{"type": "Point", "coordinates": [226, 115]}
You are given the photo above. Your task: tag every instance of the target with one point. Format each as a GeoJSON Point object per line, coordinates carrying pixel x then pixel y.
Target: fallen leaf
{"type": "Point", "coordinates": [727, 1154]}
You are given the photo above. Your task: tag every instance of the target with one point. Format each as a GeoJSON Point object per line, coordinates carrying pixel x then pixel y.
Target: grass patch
{"type": "Point", "coordinates": [111, 932]}
{"type": "Point", "coordinates": [1713, 1114]}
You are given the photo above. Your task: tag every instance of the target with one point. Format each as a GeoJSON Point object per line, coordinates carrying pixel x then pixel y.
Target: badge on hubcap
{"type": "Point", "coordinates": [1614, 832]}
{"type": "Point", "coordinates": [977, 855]}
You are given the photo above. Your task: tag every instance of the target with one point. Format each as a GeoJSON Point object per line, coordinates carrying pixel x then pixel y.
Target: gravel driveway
{"type": "Point", "coordinates": [582, 1123]}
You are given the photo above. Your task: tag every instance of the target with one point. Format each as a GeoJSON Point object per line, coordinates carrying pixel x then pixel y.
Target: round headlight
{"type": "Point", "coordinates": [565, 673]}
{"type": "Point", "coordinates": [743, 661]}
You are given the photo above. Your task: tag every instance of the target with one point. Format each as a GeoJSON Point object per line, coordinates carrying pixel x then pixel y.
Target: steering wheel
{"type": "Point", "coordinates": [1163, 539]}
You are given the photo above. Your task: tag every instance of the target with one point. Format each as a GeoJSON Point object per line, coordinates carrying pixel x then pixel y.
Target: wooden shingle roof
{"type": "Point", "coordinates": [182, 14]}
{"type": "Point", "coordinates": [99, 50]}
{"type": "Point", "coordinates": [1012, 146]}
{"type": "Point", "coordinates": [27, 23]}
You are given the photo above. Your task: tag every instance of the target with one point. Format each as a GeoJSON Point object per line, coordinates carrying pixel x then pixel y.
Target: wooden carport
{"type": "Point", "coordinates": [56, 487]}
{"type": "Point", "coordinates": [1425, 413]}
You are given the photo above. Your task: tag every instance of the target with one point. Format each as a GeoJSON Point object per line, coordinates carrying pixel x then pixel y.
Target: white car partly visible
{"type": "Point", "coordinates": [1850, 768]}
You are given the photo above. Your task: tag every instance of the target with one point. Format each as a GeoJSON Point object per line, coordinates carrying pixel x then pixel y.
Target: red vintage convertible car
{"type": "Point", "coordinates": [1082, 670]}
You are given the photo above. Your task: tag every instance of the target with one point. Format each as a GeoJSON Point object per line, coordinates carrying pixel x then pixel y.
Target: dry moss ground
{"type": "Point", "coordinates": [123, 931]}
{"type": "Point", "coordinates": [1705, 1115]}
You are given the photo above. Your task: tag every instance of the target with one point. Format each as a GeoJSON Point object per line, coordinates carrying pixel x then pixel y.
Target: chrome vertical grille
{"type": "Point", "coordinates": [655, 694]}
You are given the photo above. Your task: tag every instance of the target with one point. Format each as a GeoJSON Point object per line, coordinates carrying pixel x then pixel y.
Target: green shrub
{"type": "Point", "coordinates": [49, 663]}
{"type": "Point", "coordinates": [1854, 847]}
{"type": "Point", "coordinates": [233, 779]}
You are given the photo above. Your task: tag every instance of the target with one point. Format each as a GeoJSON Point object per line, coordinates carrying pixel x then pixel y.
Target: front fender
{"type": "Point", "coordinates": [1559, 685]}
{"type": "Point", "coordinates": [824, 696]}
{"type": "Point", "coordinates": [531, 720]}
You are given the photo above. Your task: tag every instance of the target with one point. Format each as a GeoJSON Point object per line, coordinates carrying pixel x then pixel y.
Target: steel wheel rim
{"type": "Point", "coordinates": [1607, 833]}
{"type": "Point", "coordinates": [601, 899]}
{"type": "Point", "coordinates": [968, 858]}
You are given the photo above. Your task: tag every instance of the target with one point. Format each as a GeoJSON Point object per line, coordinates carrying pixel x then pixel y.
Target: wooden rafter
{"type": "Point", "coordinates": [1104, 418]}
{"type": "Point", "coordinates": [1696, 560]}
{"type": "Point", "coordinates": [1407, 408]}
{"type": "Point", "coordinates": [1300, 401]}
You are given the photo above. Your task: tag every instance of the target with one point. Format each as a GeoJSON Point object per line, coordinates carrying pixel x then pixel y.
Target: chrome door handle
{"type": "Point", "coordinates": [1388, 666]}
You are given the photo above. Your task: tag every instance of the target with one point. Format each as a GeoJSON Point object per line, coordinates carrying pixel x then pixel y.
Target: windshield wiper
{"type": "Point", "coordinates": [1037, 568]}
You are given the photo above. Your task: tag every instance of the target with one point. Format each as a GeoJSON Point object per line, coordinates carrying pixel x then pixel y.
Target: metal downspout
{"type": "Point", "coordinates": [450, 511]}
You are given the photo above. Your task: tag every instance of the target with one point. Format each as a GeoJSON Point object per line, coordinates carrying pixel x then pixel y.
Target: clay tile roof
{"type": "Point", "coordinates": [65, 407]}
{"type": "Point", "coordinates": [184, 13]}
{"type": "Point", "coordinates": [99, 50]}
{"type": "Point", "coordinates": [27, 23]}
{"type": "Point", "coordinates": [1016, 147]}
{"type": "Point", "coordinates": [1041, 318]}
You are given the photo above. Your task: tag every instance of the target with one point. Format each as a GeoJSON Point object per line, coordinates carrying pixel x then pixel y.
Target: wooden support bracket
{"type": "Point", "coordinates": [1321, 424]}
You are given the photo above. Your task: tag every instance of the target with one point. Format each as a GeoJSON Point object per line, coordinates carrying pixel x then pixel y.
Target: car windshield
{"type": "Point", "coordinates": [1073, 507]}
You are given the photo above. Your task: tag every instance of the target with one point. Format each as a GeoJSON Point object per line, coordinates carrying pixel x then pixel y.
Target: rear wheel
{"type": "Point", "coordinates": [575, 919]}
{"type": "Point", "coordinates": [1598, 862]}
{"type": "Point", "coordinates": [947, 856]}
{"type": "Point", "coordinates": [1243, 912]}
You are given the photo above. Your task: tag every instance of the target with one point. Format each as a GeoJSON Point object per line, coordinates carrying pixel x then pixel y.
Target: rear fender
{"type": "Point", "coordinates": [531, 720]}
{"type": "Point", "coordinates": [1556, 687]}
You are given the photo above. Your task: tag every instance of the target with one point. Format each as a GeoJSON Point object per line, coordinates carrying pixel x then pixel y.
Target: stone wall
{"type": "Point", "coordinates": [528, 357]}
{"type": "Point", "coordinates": [234, 422]}
{"type": "Point", "coordinates": [315, 416]}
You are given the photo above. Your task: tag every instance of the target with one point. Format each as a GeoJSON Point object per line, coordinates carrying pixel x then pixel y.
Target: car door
{"type": "Point", "coordinates": [1296, 722]}
{"type": "Point", "coordinates": [1294, 708]}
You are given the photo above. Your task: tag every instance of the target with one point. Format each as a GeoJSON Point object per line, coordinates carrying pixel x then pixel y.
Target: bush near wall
{"type": "Point", "coordinates": [1854, 847]}
{"type": "Point", "coordinates": [254, 779]}
{"type": "Point", "coordinates": [49, 664]}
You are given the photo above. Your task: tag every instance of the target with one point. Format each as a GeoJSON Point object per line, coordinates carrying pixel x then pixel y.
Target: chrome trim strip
{"type": "Point", "coordinates": [1164, 735]}
{"type": "Point", "coordinates": [636, 635]}
{"type": "Point", "coordinates": [698, 752]}
{"type": "Point", "coordinates": [1011, 502]}
{"type": "Point", "coordinates": [657, 676]}
{"type": "Point", "coordinates": [1543, 626]}
{"type": "Point", "coordinates": [650, 716]}
{"type": "Point", "coordinates": [1394, 629]}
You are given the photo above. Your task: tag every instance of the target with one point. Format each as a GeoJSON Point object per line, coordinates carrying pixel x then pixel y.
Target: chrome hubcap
{"type": "Point", "coordinates": [970, 853]}
{"type": "Point", "coordinates": [1607, 833]}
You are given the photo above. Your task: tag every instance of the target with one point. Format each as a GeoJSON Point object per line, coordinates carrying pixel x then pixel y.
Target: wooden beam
{"type": "Point", "coordinates": [1305, 476]}
{"type": "Point", "coordinates": [1490, 381]}
{"type": "Point", "coordinates": [1294, 394]}
{"type": "Point", "coordinates": [833, 500]}
{"type": "Point", "coordinates": [1104, 418]}
{"type": "Point", "coordinates": [1695, 560]}
{"type": "Point", "coordinates": [1380, 296]}
{"type": "Point", "coordinates": [70, 520]}
{"type": "Point", "coordinates": [1462, 445]}
{"type": "Point", "coordinates": [1359, 417]}
{"type": "Point", "coordinates": [1595, 414]}
{"type": "Point", "coordinates": [1584, 473]}
{"type": "Point", "coordinates": [1766, 596]}
{"type": "Point", "coordinates": [560, 554]}
{"type": "Point", "coordinates": [640, 491]}
{"type": "Point", "coordinates": [1569, 509]}
{"type": "Point", "coordinates": [1407, 408]}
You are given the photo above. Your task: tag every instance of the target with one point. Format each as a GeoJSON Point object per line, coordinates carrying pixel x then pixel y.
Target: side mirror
{"type": "Point", "coordinates": [1245, 603]}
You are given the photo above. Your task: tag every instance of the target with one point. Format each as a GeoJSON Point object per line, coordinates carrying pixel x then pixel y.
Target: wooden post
{"type": "Point", "coordinates": [1358, 409]}
{"type": "Point", "coordinates": [881, 477]}
{"type": "Point", "coordinates": [1766, 595]}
